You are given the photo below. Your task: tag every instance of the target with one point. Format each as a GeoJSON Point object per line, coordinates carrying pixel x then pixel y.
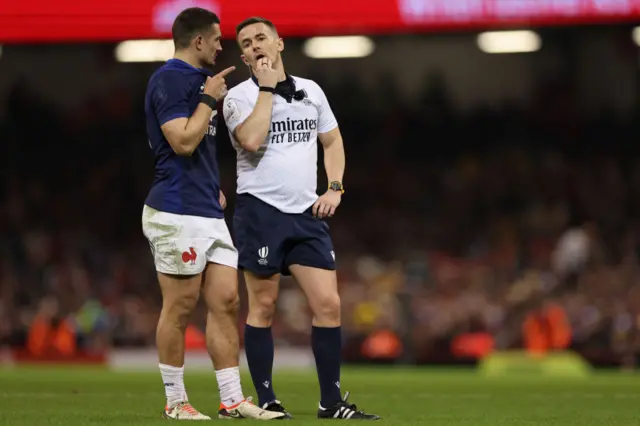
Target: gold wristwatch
{"type": "Point", "coordinates": [336, 186]}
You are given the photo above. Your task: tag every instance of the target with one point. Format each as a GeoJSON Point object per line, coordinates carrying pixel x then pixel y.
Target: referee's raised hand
{"type": "Point", "coordinates": [266, 75]}
{"type": "Point", "coordinates": [216, 86]}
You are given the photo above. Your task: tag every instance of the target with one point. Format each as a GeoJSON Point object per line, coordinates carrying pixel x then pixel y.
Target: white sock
{"type": "Point", "coordinates": [173, 379]}
{"type": "Point", "coordinates": [229, 386]}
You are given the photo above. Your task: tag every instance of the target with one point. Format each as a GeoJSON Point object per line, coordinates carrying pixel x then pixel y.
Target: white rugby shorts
{"type": "Point", "coordinates": [183, 244]}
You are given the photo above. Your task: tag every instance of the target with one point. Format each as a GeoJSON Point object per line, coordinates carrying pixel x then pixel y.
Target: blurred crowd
{"type": "Point", "coordinates": [453, 223]}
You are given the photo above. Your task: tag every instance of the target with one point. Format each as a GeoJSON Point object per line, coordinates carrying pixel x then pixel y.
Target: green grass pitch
{"type": "Point", "coordinates": [402, 396]}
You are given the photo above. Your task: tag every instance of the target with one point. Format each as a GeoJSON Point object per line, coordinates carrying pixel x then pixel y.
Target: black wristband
{"type": "Point", "coordinates": [208, 100]}
{"type": "Point", "coordinates": [267, 89]}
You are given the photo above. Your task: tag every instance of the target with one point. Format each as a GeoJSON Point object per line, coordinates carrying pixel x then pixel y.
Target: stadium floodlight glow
{"type": "Point", "coordinates": [509, 41]}
{"type": "Point", "coordinates": [338, 47]}
{"type": "Point", "coordinates": [144, 51]}
{"type": "Point", "coordinates": [636, 35]}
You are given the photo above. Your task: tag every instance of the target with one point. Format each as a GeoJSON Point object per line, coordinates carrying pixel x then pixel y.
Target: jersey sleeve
{"type": "Point", "coordinates": [169, 98]}
{"type": "Point", "coordinates": [235, 111]}
{"type": "Point", "coordinates": [326, 120]}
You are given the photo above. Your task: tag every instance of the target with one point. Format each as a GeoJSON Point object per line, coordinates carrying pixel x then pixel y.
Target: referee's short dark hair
{"type": "Point", "coordinates": [190, 23]}
{"type": "Point", "coordinates": [255, 20]}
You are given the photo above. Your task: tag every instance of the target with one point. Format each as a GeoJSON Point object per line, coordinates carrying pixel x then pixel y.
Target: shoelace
{"type": "Point", "coordinates": [351, 407]}
{"type": "Point", "coordinates": [188, 408]}
{"type": "Point", "coordinates": [254, 407]}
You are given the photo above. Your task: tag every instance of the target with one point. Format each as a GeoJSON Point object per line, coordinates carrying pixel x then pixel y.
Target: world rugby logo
{"type": "Point", "coordinates": [263, 253]}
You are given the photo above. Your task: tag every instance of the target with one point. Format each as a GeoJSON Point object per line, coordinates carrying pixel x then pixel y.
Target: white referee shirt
{"type": "Point", "coordinates": [283, 172]}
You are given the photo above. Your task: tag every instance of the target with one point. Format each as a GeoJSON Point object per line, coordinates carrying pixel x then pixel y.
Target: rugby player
{"type": "Point", "coordinates": [183, 217]}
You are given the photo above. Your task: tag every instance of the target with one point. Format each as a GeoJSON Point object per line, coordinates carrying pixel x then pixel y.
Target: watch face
{"type": "Point", "coordinates": [336, 186]}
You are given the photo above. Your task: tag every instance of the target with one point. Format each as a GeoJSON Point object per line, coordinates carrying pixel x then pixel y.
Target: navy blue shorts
{"type": "Point", "coordinates": [269, 241]}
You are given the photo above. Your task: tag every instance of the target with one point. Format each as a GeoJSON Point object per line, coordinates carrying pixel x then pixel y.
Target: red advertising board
{"type": "Point", "coordinates": [110, 20]}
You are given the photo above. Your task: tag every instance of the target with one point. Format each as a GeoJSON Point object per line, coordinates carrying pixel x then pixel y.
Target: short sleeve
{"type": "Point", "coordinates": [326, 120]}
{"type": "Point", "coordinates": [169, 98]}
{"type": "Point", "coordinates": [235, 111]}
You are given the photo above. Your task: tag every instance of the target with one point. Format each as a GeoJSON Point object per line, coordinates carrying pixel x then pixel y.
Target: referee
{"type": "Point", "coordinates": [274, 120]}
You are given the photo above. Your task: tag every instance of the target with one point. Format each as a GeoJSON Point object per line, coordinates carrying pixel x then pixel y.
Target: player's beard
{"type": "Point", "coordinates": [208, 64]}
{"type": "Point", "coordinates": [208, 61]}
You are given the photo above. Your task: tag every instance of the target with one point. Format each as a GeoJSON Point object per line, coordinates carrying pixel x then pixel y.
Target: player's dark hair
{"type": "Point", "coordinates": [255, 20]}
{"type": "Point", "coordinates": [190, 23]}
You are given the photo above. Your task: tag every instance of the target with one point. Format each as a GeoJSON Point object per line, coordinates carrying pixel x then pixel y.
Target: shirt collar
{"type": "Point", "coordinates": [180, 64]}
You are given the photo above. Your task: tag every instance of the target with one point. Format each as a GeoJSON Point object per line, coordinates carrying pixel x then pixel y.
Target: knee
{"type": "Point", "coordinates": [226, 301]}
{"type": "Point", "coordinates": [262, 309]}
{"type": "Point", "coordinates": [327, 310]}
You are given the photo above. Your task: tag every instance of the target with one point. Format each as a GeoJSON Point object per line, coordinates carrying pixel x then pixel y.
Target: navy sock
{"type": "Point", "coordinates": [327, 349]}
{"type": "Point", "coordinates": [258, 345]}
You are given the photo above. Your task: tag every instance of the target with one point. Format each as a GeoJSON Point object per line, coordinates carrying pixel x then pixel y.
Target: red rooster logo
{"type": "Point", "coordinates": [189, 256]}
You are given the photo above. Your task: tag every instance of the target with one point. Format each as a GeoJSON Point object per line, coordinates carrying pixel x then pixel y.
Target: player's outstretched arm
{"type": "Point", "coordinates": [184, 134]}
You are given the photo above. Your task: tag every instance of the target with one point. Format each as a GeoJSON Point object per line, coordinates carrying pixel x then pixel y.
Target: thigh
{"type": "Point", "coordinates": [319, 285]}
{"type": "Point", "coordinates": [178, 248]}
{"type": "Point", "coordinates": [260, 232]}
{"type": "Point", "coordinates": [262, 290]}
{"type": "Point", "coordinates": [220, 285]}
{"type": "Point", "coordinates": [180, 290]}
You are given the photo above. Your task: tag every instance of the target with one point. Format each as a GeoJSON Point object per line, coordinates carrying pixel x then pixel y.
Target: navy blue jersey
{"type": "Point", "coordinates": [182, 185]}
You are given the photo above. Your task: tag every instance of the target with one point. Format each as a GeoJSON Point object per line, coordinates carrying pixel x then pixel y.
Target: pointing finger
{"type": "Point", "coordinates": [226, 72]}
